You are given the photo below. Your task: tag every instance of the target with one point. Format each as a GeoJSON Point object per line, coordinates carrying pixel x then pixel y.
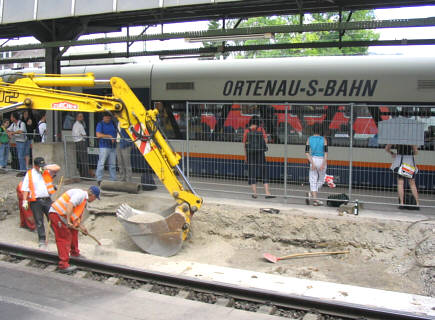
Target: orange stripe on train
{"type": "Point", "coordinates": [304, 161]}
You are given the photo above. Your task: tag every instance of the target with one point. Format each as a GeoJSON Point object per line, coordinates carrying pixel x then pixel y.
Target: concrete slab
{"type": "Point", "coordinates": [38, 295]}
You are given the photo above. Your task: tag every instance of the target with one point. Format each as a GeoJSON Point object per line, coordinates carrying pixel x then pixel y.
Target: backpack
{"type": "Point", "coordinates": [335, 200]}
{"type": "Point", "coordinates": [255, 141]}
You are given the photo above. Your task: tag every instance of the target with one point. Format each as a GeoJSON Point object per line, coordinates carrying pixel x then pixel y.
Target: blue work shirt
{"type": "Point", "coordinates": [317, 144]}
{"type": "Point", "coordinates": [125, 141]}
{"type": "Point", "coordinates": [106, 128]}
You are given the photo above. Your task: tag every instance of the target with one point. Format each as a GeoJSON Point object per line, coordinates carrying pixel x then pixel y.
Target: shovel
{"type": "Point", "coordinates": [270, 257]}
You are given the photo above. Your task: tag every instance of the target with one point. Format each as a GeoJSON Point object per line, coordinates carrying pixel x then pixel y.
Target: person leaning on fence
{"type": "Point", "coordinates": [42, 129]}
{"type": "Point", "coordinates": [66, 218]}
{"type": "Point", "coordinates": [255, 144]}
{"type": "Point", "coordinates": [316, 150]}
{"type": "Point", "coordinates": [404, 155]}
{"type": "Point", "coordinates": [123, 154]}
{"type": "Point", "coordinates": [37, 188]}
{"type": "Point", "coordinates": [81, 144]}
{"type": "Point", "coordinates": [17, 133]}
{"type": "Point", "coordinates": [4, 144]}
{"type": "Point", "coordinates": [106, 132]}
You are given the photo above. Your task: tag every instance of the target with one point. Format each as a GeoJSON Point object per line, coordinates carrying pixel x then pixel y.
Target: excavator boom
{"type": "Point", "coordinates": [163, 237]}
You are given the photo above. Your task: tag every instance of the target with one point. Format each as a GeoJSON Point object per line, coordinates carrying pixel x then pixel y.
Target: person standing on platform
{"type": "Point", "coordinates": [254, 141]}
{"type": "Point", "coordinates": [42, 128]}
{"type": "Point", "coordinates": [123, 154]}
{"type": "Point", "coordinates": [65, 216]}
{"type": "Point", "coordinates": [404, 154]}
{"type": "Point", "coordinates": [81, 143]}
{"type": "Point", "coordinates": [37, 188]}
{"type": "Point", "coordinates": [316, 150]}
{"type": "Point", "coordinates": [4, 144]}
{"type": "Point", "coordinates": [106, 132]}
{"type": "Point", "coordinates": [17, 133]}
{"type": "Point", "coordinates": [30, 129]}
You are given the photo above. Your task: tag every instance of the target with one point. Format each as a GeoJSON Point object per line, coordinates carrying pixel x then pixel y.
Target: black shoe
{"type": "Point", "coordinates": [99, 183]}
{"type": "Point", "coordinates": [254, 196]}
{"type": "Point", "coordinates": [402, 208]}
{"type": "Point", "coordinates": [270, 197]}
{"type": "Point", "coordinates": [68, 270]}
{"type": "Point", "coordinates": [21, 174]}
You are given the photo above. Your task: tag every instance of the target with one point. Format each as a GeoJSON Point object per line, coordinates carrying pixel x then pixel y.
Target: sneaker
{"type": "Point", "coordinates": [317, 203]}
{"type": "Point", "coordinates": [43, 246]}
{"type": "Point", "coordinates": [21, 174]}
{"type": "Point", "coordinates": [68, 269]}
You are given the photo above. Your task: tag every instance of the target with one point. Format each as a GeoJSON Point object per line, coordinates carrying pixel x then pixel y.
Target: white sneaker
{"type": "Point", "coordinates": [43, 246]}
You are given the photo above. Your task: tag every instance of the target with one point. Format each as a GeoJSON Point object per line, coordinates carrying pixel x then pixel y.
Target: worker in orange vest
{"type": "Point", "coordinates": [37, 188]}
{"type": "Point", "coordinates": [66, 217]}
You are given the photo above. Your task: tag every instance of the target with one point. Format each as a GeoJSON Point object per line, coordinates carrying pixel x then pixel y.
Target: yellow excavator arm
{"type": "Point", "coordinates": [163, 237]}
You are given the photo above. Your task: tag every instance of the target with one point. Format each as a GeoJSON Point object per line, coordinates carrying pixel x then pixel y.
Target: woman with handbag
{"type": "Point", "coordinates": [404, 167]}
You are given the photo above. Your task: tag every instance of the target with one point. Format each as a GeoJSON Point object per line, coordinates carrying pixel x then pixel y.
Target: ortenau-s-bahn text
{"type": "Point", "coordinates": [328, 88]}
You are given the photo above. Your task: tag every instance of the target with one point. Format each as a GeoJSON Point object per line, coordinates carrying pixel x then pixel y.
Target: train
{"type": "Point", "coordinates": [206, 106]}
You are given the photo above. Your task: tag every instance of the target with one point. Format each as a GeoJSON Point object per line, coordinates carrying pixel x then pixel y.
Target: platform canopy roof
{"type": "Point", "coordinates": [72, 17]}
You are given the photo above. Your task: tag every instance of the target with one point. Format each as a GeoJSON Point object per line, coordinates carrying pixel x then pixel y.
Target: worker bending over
{"type": "Point", "coordinates": [65, 216]}
{"type": "Point", "coordinates": [37, 188]}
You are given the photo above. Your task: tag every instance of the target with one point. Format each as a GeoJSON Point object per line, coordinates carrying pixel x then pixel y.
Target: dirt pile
{"type": "Point", "coordinates": [382, 252]}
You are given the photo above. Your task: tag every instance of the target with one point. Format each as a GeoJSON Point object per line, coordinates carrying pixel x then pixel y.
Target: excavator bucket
{"type": "Point", "coordinates": [157, 234]}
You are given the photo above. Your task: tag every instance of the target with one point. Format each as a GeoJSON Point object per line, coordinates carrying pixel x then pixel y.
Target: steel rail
{"type": "Point", "coordinates": [250, 294]}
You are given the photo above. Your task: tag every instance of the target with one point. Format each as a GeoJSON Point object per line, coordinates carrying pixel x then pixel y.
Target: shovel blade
{"type": "Point", "coordinates": [270, 257]}
{"type": "Point", "coordinates": [151, 232]}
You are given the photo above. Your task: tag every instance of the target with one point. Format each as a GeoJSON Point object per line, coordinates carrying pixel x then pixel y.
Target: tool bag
{"type": "Point", "coordinates": [335, 200]}
{"type": "Point", "coordinates": [255, 141]}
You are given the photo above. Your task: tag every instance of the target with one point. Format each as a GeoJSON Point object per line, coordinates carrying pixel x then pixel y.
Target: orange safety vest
{"type": "Point", "coordinates": [48, 183]}
{"type": "Point", "coordinates": [60, 206]}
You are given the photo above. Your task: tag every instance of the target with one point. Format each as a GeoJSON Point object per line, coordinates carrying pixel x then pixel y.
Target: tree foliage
{"type": "Point", "coordinates": [304, 37]}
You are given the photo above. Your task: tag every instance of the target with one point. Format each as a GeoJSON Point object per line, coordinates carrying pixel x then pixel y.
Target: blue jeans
{"type": "Point", "coordinates": [21, 151]}
{"type": "Point", "coordinates": [28, 143]}
{"type": "Point", "coordinates": [104, 154]}
{"type": "Point", "coordinates": [4, 154]}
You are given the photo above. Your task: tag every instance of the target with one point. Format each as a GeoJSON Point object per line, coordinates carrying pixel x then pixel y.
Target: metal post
{"type": "Point", "coordinates": [54, 120]}
{"type": "Point", "coordinates": [285, 152]}
{"type": "Point", "coordinates": [350, 151]}
{"type": "Point", "coordinates": [66, 171]}
{"type": "Point", "coordinates": [187, 140]}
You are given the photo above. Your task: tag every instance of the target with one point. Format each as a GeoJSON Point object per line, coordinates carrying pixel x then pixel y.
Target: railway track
{"type": "Point", "coordinates": [249, 299]}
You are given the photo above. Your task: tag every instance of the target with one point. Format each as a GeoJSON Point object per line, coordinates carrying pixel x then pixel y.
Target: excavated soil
{"type": "Point", "coordinates": [382, 255]}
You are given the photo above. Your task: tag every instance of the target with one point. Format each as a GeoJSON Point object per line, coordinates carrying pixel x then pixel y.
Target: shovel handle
{"type": "Point", "coordinates": [95, 239]}
{"type": "Point", "coordinates": [90, 235]}
{"type": "Point", "coordinates": [311, 254]}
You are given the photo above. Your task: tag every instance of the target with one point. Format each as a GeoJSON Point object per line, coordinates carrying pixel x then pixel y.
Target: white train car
{"type": "Point", "coordinates": [210, 103]}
